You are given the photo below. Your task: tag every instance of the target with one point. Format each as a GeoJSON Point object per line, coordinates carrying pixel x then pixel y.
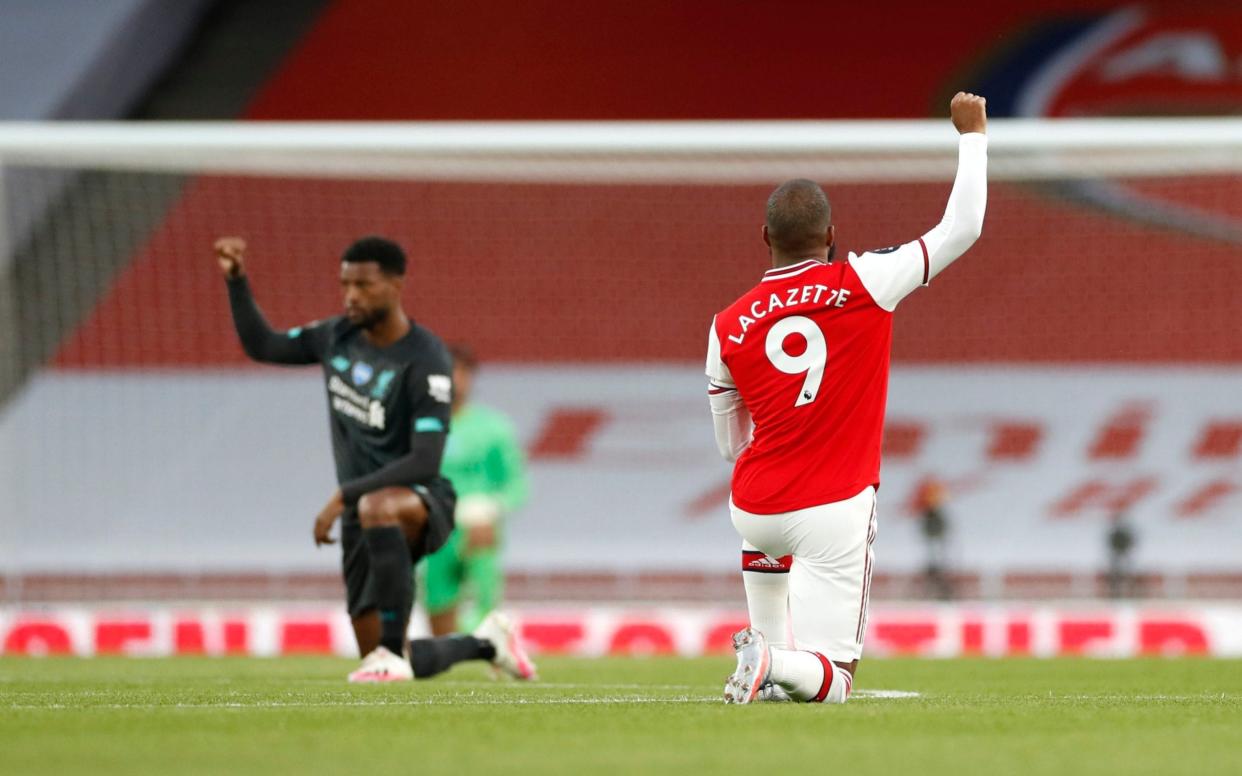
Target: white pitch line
{"type": "Point", "coordinates": [454, 701]}
{"type": "Point", "coordinates": [503, 685]}
{"type": "Point", "coordinates": [363, 703]}
{"type": "Point", "coordinates": [860, 695]}
{"type": "Point", "coordinates": [1210, 696]}
{"type": "Point", "coordinates": [885, 694]}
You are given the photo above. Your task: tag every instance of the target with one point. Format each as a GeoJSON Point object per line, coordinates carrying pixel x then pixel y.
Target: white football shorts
{"type": "Point", "coordinates": [830, 581]}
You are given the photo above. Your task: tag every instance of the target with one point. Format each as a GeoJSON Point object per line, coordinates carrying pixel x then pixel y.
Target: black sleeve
{"type": "Point", "coordinates": [432, 396]}
{"type": "Point", "coordinates": [420, 465]}
{"type": "Point", "coordinates": [297, 346]}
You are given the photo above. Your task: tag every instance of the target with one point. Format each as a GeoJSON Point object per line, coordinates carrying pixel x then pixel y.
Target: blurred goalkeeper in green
{"type": "Point", "coordinates": [484, 461]}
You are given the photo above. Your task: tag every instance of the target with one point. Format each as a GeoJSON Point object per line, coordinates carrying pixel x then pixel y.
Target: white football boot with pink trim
{"type": "Point", "coordinates": [510, 657]}
{"type": "Point", "coordinates": [754, 664]}
{"type": "Point", "coordinates": [380, 665]}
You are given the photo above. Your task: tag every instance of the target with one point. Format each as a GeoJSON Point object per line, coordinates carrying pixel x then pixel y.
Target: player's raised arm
{"type": "Point", "coordinates": [963, 218]}
{"type": "Point", "coordinates": [730, 417]}
{"type": "Point", "coordinates": [891, 274]}
{"type": "Point", "coordinates": [258, 339]}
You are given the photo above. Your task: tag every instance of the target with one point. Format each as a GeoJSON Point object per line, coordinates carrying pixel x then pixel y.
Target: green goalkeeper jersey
{"type": "Point", "coordinates": [482, 457]}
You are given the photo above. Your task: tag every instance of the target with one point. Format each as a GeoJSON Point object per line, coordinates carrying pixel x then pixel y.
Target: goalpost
{"type": "Point", "coordinates": [616, 151]}
{"type": "Point", "coordinates": [1080, 363]}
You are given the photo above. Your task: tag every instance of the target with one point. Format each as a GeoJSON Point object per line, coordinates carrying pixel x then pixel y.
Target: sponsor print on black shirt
{"type": "Point", "coordinates": [379, 397]}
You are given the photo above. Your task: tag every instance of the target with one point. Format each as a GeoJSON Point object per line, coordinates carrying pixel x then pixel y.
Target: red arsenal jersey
{"type": "Point", "coordinates": [808, 351]}
{"type": "Point", "coordinates": [805, 354]}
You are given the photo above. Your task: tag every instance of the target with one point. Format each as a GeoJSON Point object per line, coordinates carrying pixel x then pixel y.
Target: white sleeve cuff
{"type": "Point", "coordinates": [731, 422]}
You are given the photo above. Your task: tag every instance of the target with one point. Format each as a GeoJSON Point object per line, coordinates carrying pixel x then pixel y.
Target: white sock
{"type": "Point", "coordinates": [767, 600]}
{"type": "Point", "coordinates": [802, 674]}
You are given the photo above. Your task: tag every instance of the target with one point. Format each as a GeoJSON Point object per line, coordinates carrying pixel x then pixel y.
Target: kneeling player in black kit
{"type": "Point", "coordinates": [389, 395]}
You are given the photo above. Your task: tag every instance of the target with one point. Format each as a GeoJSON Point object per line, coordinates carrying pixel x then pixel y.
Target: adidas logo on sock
{"type": "Point", "coordinates": [757, 561]}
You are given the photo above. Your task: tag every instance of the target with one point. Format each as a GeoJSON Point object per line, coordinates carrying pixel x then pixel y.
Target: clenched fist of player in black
{"type": "Point", "coordinates": [230, 253]}
{"type": "Point", "coordinates": [969, 112]}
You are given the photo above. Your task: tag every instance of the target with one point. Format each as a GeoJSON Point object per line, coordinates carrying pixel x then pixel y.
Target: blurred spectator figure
{"type": "Point", "coordinates": [935, 527]}
{"type": "Point", "coordinates": [1121, 540]}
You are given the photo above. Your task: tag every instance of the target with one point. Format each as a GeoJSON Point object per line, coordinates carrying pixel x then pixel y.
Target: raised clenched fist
{"type": "Point", "coordinates": [230, 253]}
{"type": "Point", "coordinates": [969, 112]}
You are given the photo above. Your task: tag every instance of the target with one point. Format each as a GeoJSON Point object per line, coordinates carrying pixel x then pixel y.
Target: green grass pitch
{"type": "Point", "coordinates": [664, 715]}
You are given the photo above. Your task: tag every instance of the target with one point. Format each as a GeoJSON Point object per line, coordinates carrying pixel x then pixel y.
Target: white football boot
{"type": "Point", "coordinates": [754, 664]}
{"type": "Point", "coordinates": [768, 693]}
{"type": "Point", "coordinates": [510, 657]}
{"type": "Point", "coordinates": [380, 665]}
{"type": "Point", "coordinates": [773, 693]}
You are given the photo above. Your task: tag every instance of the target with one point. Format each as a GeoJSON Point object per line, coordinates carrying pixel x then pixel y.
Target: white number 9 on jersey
{"type": "Point", "coordinates": [811, 361]}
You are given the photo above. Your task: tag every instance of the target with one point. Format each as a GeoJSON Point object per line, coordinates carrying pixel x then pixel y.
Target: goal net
{"type": "Point", "coordinates": [1079, 369]}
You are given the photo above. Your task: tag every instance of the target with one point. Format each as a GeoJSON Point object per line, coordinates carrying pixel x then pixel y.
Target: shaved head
{"type": "Point", "coordinates": [798, 219]}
